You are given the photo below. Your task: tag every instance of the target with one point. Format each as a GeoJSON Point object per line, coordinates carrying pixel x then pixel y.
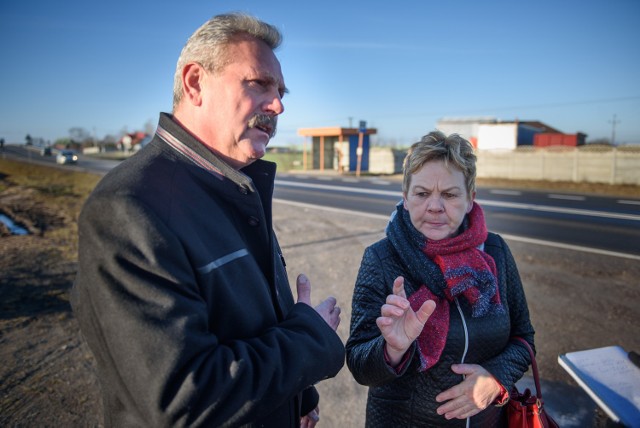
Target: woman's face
{"type": "Point", "coordinates": [437, 200]}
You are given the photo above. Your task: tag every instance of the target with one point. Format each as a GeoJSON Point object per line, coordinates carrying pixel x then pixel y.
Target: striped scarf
{"type": "Point", "coordinates": [446, 269]}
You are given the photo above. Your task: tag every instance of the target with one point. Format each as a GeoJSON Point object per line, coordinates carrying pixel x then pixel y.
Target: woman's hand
{"type": "Point", "coordinates": [399, 324]}
{"type": "Point", "coordinates": [475, 393]}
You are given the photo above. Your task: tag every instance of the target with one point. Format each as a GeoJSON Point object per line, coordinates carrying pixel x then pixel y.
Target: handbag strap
{"type": "Point", "coordinates": [534, 366]}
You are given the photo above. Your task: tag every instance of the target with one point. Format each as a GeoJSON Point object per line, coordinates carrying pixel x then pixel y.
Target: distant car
{"type": "Point", "coordinates": [45, 151]}
{"type": "Point", "coordinates": [66, 156]}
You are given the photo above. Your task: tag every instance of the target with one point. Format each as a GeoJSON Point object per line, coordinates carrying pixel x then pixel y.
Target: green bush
{"type": "Point", "coordinates": [286, 161]}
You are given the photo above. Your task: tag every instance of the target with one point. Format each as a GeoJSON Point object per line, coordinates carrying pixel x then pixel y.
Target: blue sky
{"type": "Point", "coordinates": [400, 65]}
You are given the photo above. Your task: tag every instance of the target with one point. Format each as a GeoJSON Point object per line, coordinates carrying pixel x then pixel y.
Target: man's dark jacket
{"type": "Point", "coordinates": [183, 297]}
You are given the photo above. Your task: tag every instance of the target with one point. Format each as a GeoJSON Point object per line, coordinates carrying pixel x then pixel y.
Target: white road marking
{"type": "Point", "coordinates": [483, 202]}
{"type": "Point", "coordinates": [505, 236]}
{"type": "Point", "coordinates": [505, 192]}
{"type": "Point", "coordinates": [570, 247]}
{"type": "Point", "coordinates": [381, 182]}
{"type": "Point", "coordinates": [628, 202]}
{"type": "Point", "coordinates": [567, 197]}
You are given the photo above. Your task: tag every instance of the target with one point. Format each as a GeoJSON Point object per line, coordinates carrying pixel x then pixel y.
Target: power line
{"type": "Point", "coordinates": [521, 107]}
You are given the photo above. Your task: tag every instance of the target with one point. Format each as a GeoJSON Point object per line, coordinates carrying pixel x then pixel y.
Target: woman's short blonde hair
{"type": "Point", "coordinates": [436, 146]}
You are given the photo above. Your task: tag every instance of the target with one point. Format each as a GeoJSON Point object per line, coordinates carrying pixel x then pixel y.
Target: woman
{"type": "Point", "coordinates": [437, 301]}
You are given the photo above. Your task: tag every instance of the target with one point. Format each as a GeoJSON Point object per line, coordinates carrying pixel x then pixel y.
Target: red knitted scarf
{"type": "Point", "coordinates": [469, 272]}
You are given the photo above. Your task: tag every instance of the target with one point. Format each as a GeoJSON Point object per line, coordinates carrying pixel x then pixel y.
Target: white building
{"type": "Point", "coordinates": [486, 133]}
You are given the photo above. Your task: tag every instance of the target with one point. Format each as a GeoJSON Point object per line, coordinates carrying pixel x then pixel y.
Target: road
{"type": "Point", "coordinates": [597, 224]}
{"type": "Point", "coordinates": [85, 163]}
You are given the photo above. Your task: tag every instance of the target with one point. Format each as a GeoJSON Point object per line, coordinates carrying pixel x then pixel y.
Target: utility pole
{"type": "Point", "coordinates": [613, 130]}
{"type": "Point", "coordinates": [361, 130]}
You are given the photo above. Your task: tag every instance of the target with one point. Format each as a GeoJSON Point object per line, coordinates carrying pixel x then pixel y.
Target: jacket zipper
{"type": "Point", "coordinates": [466, 343]}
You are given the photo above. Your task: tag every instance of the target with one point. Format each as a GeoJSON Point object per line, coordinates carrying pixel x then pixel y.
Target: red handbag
{"type": "Point", "coordinates": [525, 410]}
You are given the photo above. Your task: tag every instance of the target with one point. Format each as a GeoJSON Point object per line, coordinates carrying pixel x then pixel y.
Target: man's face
{"type": "Point", "coordinates": [240, 103]}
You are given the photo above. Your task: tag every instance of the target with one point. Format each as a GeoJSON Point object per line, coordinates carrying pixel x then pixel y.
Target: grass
{"type": "Point", "coordinates": [286, 161]}
{"type": "Point", "coordinates": [47, 200]}
{"type": "Point", "coordinates": [46, 180]}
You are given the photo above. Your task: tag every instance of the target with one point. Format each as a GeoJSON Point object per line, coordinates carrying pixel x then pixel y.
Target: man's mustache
{"type": "Point", "coordinates": [265, 122]}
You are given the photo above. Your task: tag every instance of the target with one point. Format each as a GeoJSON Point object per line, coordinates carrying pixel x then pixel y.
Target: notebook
{"type": "Point", "coordinates": [610, 378]}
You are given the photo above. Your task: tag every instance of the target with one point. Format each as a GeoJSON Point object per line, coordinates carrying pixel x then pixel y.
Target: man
{"type": "Point", "coordinates": [182, 292]}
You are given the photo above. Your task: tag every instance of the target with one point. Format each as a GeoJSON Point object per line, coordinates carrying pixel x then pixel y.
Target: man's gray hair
{"type": "Point", "coordinates": [207, 45]}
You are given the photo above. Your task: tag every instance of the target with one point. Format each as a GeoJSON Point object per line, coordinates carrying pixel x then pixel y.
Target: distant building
{"type": "Point", "coordinates": [337, 148]}
{"type": "Point", "coordinates": [128, 141]}
{"type": "Point", "coordinates": [548, 139]}
{"type": "Point", "coordinates": [466, 127]}
{"type": "Point", "coordinates": [486, 133]}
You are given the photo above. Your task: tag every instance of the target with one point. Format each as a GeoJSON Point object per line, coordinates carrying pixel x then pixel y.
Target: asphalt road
{"type": "Point", "coordinates": [605, 225]}
{"type": "Point", "coordinates": [32, 154]}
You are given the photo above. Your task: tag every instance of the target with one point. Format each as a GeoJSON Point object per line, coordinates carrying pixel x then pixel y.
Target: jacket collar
{"type": "Point", "coordinates": [183, 142]}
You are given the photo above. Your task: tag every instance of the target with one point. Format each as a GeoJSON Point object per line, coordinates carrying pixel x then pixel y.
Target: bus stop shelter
{"type": "Point", "coordinates": [336, 148]}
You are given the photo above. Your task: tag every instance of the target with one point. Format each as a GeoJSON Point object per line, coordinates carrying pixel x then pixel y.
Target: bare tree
{"type": "Point", "coordinates": [150, 127]}
{"type": "Point", "coordinates": [80, 135]}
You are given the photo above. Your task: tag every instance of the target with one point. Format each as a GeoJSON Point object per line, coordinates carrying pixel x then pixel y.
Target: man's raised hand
{"type": "Point", "coordinates": [328, 309]}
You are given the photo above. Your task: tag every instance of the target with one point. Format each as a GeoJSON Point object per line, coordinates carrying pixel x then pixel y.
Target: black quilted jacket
{"type": "Point", "coordinates": [407, 399]}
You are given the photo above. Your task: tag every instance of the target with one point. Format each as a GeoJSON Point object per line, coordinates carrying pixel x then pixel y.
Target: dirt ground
{"type": "Point", "coordinates": [577, 301]}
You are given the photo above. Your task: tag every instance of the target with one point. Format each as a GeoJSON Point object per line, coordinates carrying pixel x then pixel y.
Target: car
{"type": "Point", "coordinates": [66, 156]}
{"type": "Point", "coordinates": [45, 151]}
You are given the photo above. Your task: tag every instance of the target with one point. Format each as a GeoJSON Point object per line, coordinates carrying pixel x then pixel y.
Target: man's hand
{"type": "Point", "coordinates": [310, 420]}
{"type": "Point", "coordinates": [399, 324]}
{"type": "Point", "coordinates": [327, 309]}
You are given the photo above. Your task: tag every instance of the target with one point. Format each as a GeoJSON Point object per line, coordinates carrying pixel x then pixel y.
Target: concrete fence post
{"type": "Point", "coordinates": [614, 159]}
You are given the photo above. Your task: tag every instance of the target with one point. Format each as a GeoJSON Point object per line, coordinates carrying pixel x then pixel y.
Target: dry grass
{"type": "Point", "coordinates": [602, 189]}
{"type": "Point", "coordinates": [46, 201]}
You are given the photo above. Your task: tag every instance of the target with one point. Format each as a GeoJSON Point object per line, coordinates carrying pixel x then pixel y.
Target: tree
{"type": "Point", "coordinates": [62, 142]}
{"type": "Point", "coordinates": [28, 140]}
{"type": "Point", "coordinates": [150, 127]}
{"type": "Point", "coordinates": [80, 135]}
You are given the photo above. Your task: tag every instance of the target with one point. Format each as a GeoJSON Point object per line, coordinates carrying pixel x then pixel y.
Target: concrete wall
{"type": "Point", "coordinates": [612, 166]}
{"type": "Point", "coordinates": [583, 164]}
{"type": "Point", "coordinates": [385, 160]}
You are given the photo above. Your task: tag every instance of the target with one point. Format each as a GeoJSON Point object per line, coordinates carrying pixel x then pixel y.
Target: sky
{"type": "Point", "coordinates": [399, 65]}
